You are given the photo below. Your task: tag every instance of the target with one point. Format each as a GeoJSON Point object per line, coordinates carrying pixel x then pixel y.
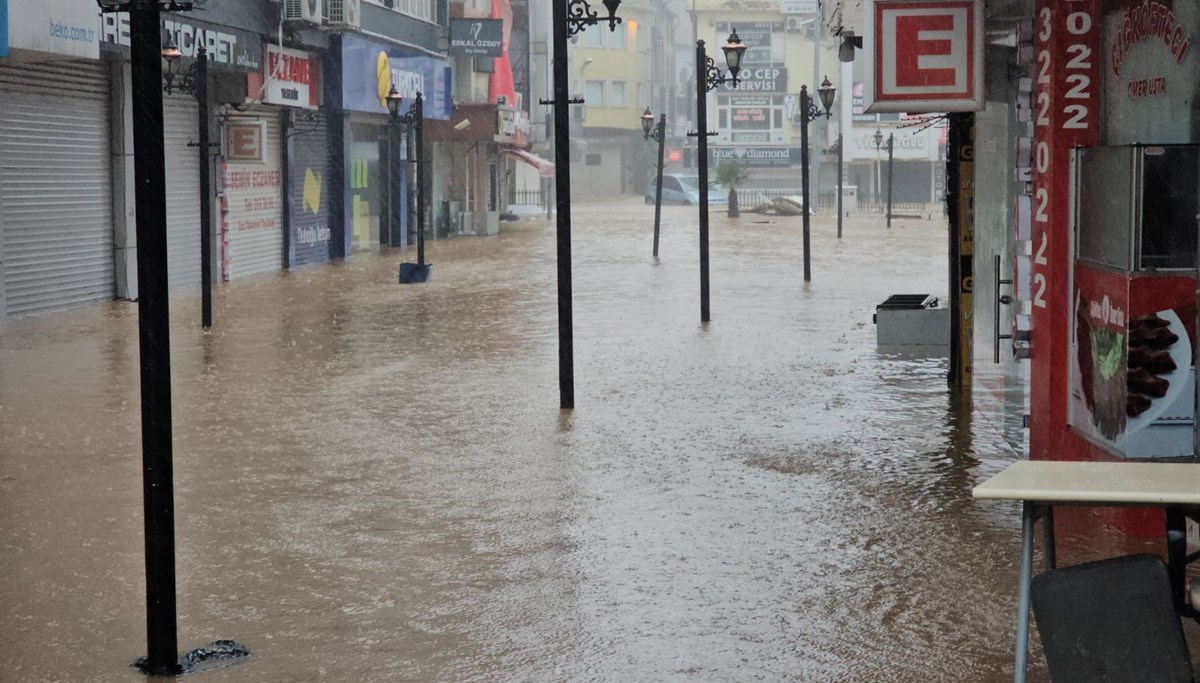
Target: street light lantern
{"type": "Point", "coordinates": [393, 101]}
{"type": "Point", "coordinates": [613, 19]}
{"type": "Point", "coordinates": [826, 92]}
{"type": "Point", "coordinates": [171, 59]}
{"type": "Point", "coordinates": [647, 122]}
{"type": "Point", "coordinates": [734, 50]}
{"type": "Point", "coordinates": [878, 138]}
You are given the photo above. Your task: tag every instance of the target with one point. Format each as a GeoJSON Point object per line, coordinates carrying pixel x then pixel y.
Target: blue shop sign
{"type": "Point", "coordinates": [369, 70]}
{"type": "Point", "coordinates": [3, 28]}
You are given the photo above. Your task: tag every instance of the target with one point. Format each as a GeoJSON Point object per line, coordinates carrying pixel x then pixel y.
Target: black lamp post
{"type": "Point", "coordinates": [709, 78]}
{"type": "Point", "coordinates": [194, 81]}
{"type": "Point", "coordinates": [808, 112]}
{"type": "Point", "coordinates": [154, 343]}
{"type": "Point", "coordinates": [837, 149]}
{"type": "Point", "coordinates": [413, 119]}
{"type": "Point", "coordinates": [659, 133]}
{"type": "Point", "coordinates": [890, 147]}
{"type": "Point", "coordinates": [570, 17]}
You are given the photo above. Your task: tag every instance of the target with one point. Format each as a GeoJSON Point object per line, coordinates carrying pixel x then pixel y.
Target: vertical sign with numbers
{"type": "Point", "coordinates": [1067, 40]}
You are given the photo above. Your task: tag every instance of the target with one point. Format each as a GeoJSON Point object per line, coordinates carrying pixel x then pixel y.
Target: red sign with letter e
{"type": "Point", "coordinates": [924, 57]}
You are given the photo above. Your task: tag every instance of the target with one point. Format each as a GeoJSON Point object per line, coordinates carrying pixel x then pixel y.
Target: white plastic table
{"type": "Point", "coordinates": [1042, 485]}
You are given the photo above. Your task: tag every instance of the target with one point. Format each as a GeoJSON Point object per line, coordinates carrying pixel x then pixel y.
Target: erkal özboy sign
{"type": "Point", "coordinates": [477, 37]}
{"type": "Point", "coordinates": [924, 57]}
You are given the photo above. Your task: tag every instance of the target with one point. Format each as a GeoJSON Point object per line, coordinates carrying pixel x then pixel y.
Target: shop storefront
{"type": "Point", "coordinates": [372, 156]}
{"type": "Point", "coordinates": [233, 54]}
{"type": "Point", "coordinates": [56, 223]}
{"type": "Point", "coordinates": [1112, 212]}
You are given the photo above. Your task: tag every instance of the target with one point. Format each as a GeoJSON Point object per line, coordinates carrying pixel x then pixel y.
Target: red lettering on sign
{"type": "Point", "coordinates": [912, 47]}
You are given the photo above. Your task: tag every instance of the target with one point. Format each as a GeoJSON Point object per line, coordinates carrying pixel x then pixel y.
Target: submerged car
{"type": "Point", "coordinates": [685, 189]}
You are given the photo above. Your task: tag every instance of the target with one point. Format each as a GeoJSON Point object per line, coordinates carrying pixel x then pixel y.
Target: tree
{"type": "Point", "coordinates": [732, 175]}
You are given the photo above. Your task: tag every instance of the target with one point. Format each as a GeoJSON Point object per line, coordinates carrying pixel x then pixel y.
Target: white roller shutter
{"type": "Point", "coordinates": [252, 221]}
{"type": "Point", "coordinates": [56, 231]}
{"type": "Point", "coordinates": [181, 127]}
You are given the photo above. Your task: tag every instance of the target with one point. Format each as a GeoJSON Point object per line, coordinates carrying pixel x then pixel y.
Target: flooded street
{"type": "Point", "coordinates": [374, 481]}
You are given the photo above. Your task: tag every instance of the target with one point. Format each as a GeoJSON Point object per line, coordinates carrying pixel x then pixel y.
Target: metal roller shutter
{"type": "Point", "coordinates": [56, 230]}
{"type": "Point", "coordinates": [309, 181]}
{"type": "Point", "coordinates": [252, 221]}
{"type": "Point", "coordinates": [181, 127]}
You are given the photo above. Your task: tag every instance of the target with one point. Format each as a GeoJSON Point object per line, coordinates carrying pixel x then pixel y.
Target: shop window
{"type": "Point", "coordinates": [593, 93]}
{"type": "Point", "coordinates": [593, 38]}
{"type": "Point", "coordinates": [619, 39]}
{"type": "Point", "coordinates": [1104, 220]}
{"type": "Point", "coordinates": [619, 90]}
{"type": "Point", "coordinates": [1170, 180]}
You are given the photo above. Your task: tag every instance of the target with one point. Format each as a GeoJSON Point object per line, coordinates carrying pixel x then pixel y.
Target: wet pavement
{"type": "Point", "coordinates": [374, 481]}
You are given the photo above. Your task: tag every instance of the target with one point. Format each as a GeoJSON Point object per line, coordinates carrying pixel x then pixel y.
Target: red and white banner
{"type": "Point", "coordinates": [924, 57]}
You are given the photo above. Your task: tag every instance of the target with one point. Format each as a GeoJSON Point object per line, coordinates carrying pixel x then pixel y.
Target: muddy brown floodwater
{"type": "Point", "coordinates": [374, 481]}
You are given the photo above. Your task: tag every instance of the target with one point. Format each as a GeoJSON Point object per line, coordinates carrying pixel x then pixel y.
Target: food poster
{"type": "Point", "coordinates": [1161, 374]}
{"type": "Point", "coordinates": [1132, 380]}
{"type": "Point", "coordinates": [1097, 404]}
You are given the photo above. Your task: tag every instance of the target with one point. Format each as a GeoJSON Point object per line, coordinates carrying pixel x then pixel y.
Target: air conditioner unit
{"type": "Point", "coordinates": [343, 13]}
{"type": "Point", "coordinates": [793, 24]}
{"type": "Point", "coordinates": [307, 11]}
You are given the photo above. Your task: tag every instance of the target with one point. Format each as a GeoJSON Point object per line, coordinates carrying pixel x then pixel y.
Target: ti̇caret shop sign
{"type": "Point", "coordinates": [370, 70]}
{"type": "Point", "coordinates": [226, 46]}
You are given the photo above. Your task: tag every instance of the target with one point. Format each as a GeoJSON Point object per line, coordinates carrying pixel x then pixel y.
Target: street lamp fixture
{"type": "Point", "coordinates": [413, 119]}
{"type": "Point", "coordinates": [580, 15]}
{"type": "Point", "coordinates": [808, 113]}
{"type": "Point", "coordinates": [659, 134]}
{"type": "Point", "coordinates": [194, 81]}
{"type": "Point", "coordinates": [647, 122]}
{"type": "Point", "coordinates": [713, 77]}
{"type": "Point", "coordinates": [734, 51]}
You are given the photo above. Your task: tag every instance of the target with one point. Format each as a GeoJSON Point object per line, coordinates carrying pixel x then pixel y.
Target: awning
{"type": "Point", "coordinates": [545, 168]}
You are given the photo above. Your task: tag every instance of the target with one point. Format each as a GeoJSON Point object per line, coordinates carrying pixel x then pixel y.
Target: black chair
{"type": "Point", "coordinates": [1111, 621]}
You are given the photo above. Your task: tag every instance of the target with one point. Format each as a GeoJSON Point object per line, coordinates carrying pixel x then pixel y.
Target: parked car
{"type": "Point", "coordinates": [685, 189]}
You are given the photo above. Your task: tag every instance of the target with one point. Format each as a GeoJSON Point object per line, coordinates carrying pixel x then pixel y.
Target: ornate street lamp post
{"type": "Point", "coordinates": [890, 147]}
{"type": "Point", "coordinates": [194, 81]}
{"type": "Point", "coordinates": [809, 112]}
{"type": "Point", "coordinates": [659, 133]}
{"type": "Point", "coordinates": [154, 339]}
{"type": "Point", "coordinates": [709, 78]}
{"type": "Point", "coordinates": [569, 17]}
{"type": "Point", "coordinates": [414, 120]}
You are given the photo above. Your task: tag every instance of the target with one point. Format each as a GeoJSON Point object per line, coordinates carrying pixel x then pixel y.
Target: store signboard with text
{"type": "Point", "coordinates": [924, 57]}
{"type": "Point", "coordinates": [763, 41]}
{"type": "Point", "coordinates": [292, 78]}
{"type": "Point", "coordinates": [58, 27]}
{"type": "Point", "coordinates": [756, 157]}
{"type": "Point", "coordinates": [370, 70]}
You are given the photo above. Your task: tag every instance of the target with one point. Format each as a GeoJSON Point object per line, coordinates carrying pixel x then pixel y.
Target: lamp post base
{"type": "Point", "coordinates": [414, 273]}
{"type": "Point", "coordinates": [218, 655]}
